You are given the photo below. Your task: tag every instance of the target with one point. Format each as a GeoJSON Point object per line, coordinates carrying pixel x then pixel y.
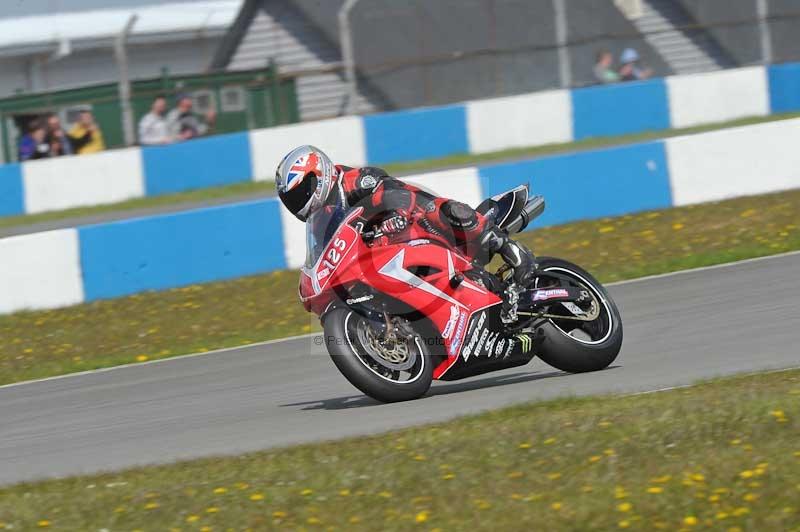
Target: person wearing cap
{"type": "Point", "coordinates": [86, 135]}
{"type": "Point", "coordinates": [184, 123]}
{"type": "Point", "coordinates": [632, 69]}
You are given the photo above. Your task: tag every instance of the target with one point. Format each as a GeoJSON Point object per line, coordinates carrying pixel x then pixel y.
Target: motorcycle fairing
{"type": "Point", "coordinates": [486, 348]}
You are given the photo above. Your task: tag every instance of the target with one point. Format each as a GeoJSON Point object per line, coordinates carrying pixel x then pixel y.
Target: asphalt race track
{"type": "Point", "coordinates": [678, 329]}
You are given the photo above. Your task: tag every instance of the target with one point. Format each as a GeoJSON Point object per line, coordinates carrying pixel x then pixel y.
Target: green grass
{"type": "Point", "coordinates": [202, 194]}
{"type": "Point", "coordinates": [240, 189]}
{"type": "Point", "coordinates": [222, 314]}
{"type": "Point", "coordinates": [723, 455]}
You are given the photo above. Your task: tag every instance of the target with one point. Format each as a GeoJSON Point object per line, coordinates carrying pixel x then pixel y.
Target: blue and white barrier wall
{"type": "Point", "coordinates": [472, 127]}
{"type": "Point", "coordinates": [70, 266]}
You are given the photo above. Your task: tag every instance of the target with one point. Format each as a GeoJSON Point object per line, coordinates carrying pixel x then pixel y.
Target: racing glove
{"type": "Point", "coordinates": [393, 225]}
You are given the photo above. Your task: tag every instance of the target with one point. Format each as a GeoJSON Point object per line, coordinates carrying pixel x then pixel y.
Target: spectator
{"type": "Point", "coordinates": [632, 69]}
{"type": "Point", "coordinates": [85, 135]}
{"type": "Point", "coordinates": [184, 123]}
{"type": "Point", "coordinates": [34, 144]}
{"type": "Point", "coordinates": [604, 68]}
{"type": "Point", "coordinates": [153, 127]}
{"type": "Point", "coordinates": [59, 141]}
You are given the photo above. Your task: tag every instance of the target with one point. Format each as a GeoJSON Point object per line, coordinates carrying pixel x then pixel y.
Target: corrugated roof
{"type": "Point", "coordinates": [43, 30]}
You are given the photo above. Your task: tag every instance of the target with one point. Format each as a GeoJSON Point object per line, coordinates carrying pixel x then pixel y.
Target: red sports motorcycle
{"type": "Point", "coordinates": [399, 312]}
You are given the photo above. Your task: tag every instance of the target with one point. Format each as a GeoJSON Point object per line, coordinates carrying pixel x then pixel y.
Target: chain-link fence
{"type": "Point", "coordinates": [414, 53]}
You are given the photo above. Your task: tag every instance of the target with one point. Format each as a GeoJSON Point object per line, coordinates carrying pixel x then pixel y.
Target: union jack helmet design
{"type": "Point", "coordinates": [304, 180]}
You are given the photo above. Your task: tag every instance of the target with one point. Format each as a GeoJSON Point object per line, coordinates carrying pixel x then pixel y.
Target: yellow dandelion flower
{"type": "Point", "coordinates": [736, 442]}
{"type": "Point", "coordinates": [677, 226]}
{"type": "Point", "coordinates": [750, 497]}
{"type": "Point", "coordinates": [205, 529]}
{"type": "Point", "coordinates": [655, 489]}
{"type": "Point", "coordinates": [212, 510]}
{"type": "Point", "coordinates": [609, 452]}
{"type": "Point", "coordinates": [661, 480]}
{"type": "Point", "coordinates": [354, 520]}
{"type": "Point", "coordinates": [306, 492]}
{"type": "Point", "coordinates": [624, 507]}
{"type": "Point", "coordinates": [515, 474]}
{"type": "Point", "coordinates": [713, 498]}
{"type": "Point", "coordinates": [796, 454]}
{"type": "Point", "coordinates": [142, 358]}
{"type": "Point", "coordinates": [549, 441]}
{"type": "Point", "coordinates": [151, 505]}
{"type": "Point", "coordinates": [257, 497]}
{"type": "Point", "coordinates": [556, 506]}
{"type": "Point", "coordinates": [482, 505]}
{"type": "Point", "coordinates": [748, 213]}
{"type": "Point", "coordinates": [525, 445]}
{"type": "Point", "coordinates": [242, 485]}
{"type": "Point", "coordinates": [624, 523]}
{"type": "Point", "coordinates": [421, 517]}
{"type": "Point", "coordinates": [721, 515]}
{"type": "Point", "coordinates": [607, 229]}
{"type": "Point", "coordinates": [313, 520]}
{"type": "Point", "coordinates": [746, 474]}
{"type": "Point", "coordinates": [554, 476]}
{"type": "Point", "coordinates": [385, 494]}
{"type": "Point", "coordinates": [698, 477]}
{"type": "Point", "coordinates": [595, 458]}
{"type": "Point", "coordinates": [43, 523]}
{"type": "Point", "coordinates": [734, 529]}
{"type": "Point", "coordinates": [277, 514]}
{"type": "Point", "coordinates": [738, 512]}
{"type": "Point", "coordinates": [587, 489]}
{"type": "Point", "coordinates": [420, 458]}
{"type": "Point", "coordinates": [220, 491]}
{"type": "Point", "coordinates": [604, 424]}
{"type": "Point", "coordinates": [448, 476]}
{"type": "Point", "coordinates": [344, 493]}
{"type": "Point", "coordinates": [192, 518]}
{"type": "Point", "coordinates": [690, 520]}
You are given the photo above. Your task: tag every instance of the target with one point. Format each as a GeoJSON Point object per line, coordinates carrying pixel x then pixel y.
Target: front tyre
{"type": "Point", "coordinates": [576, 346]}
{"type": "Point", "coordinates": [386, 371]}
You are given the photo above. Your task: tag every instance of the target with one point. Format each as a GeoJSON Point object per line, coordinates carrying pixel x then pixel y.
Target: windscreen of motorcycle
{"type": "Point", "coordinates": [320, 228]}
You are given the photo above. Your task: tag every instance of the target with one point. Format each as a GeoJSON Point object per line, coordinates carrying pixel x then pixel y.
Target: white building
{"type": "Point", "coordinates": [47, 44]}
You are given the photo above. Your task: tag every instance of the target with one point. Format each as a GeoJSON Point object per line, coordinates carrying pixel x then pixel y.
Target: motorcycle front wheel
{"type": "Point", "coordinates": [388, 371]}
{"type": "Point", "coordinates": [579, 346]}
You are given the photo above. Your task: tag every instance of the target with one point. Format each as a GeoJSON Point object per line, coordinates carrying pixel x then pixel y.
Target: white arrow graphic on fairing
{"type": "Point", "coordinates": [394, 269]}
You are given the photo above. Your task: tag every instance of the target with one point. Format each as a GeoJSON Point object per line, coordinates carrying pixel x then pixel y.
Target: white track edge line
{"type": "Point", "coordinates": [290, 338]}
{"type": "Point", "coordinates": [159, 361]}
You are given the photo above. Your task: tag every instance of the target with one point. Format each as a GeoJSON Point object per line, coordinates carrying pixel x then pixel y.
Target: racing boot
{"type": "Point", "coordinates": [516, 255]}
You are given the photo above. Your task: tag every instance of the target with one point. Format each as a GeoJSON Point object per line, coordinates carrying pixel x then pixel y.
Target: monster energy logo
{"type": "Point", "coordinates": [526, 342]}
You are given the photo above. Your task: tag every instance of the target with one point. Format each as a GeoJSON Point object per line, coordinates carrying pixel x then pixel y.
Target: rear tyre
{"type": "Point", "coordinates": [578, 347]}
{"type": "Point", "coordinates": [400, 371]}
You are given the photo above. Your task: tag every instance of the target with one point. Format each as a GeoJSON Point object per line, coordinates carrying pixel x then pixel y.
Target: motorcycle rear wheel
{"type": "Point", "coordinates": [592, 346]}
{"type": "Point", "coordinates": [402, 375]}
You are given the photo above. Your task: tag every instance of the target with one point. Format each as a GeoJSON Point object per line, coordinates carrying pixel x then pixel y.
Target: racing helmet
{"type": "Point", "coordinates": [304, 180]}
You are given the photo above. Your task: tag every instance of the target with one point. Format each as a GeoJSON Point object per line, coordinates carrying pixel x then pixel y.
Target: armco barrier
{"type": "Point", "coordinates": [208, 162]}
{"type": "Point", "coordinates": [110, 260]}
{"type": "Point", "coordinates": [472, 127]}
{"type": "Point", "coordinates": [160, 252]}
{"type": "Point", "coordinates": [12, 199]}
{"type": "Point", "coordinates": [39, 271]}
{"type": "Point", "coordinates": [591, 184]}
{"type": "Point", "coordinates": [620, 109]}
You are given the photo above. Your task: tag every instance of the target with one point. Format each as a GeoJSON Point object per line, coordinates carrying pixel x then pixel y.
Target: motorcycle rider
{"type": "Point", "coordinates": [307, 180]}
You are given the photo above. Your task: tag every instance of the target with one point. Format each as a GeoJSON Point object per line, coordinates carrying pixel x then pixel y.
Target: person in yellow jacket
{"type": "Point", "coordinates": [85, 135]}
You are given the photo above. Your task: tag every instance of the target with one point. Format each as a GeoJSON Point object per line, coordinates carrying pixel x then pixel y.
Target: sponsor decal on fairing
{"type": "Point", "coordinates": [462, 321]}
{"type": "Point", "coordinates": [475, 337]}
{"type": "Point", "coordinates": [500, 345]}
{"type": "Point", "coordinates": [450, 326]}
{"type": "Point", "coordinates": [490, 341]}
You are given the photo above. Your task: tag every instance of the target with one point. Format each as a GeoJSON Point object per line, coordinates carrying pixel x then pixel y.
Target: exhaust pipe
{"type": "Point", "coordinates": [534, 207]}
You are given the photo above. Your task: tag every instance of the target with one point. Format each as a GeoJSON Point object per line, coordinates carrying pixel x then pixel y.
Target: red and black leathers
{"type": "Point", "coordinates": [386, 200]}
{"type": "Point", "coordinates": [396, 206]}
